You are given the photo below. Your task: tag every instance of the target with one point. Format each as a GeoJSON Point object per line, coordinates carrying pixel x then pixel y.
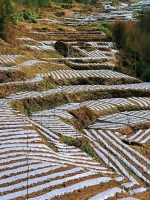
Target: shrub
{"type": "Point", "coordinates": [44, 28]}
{"type": "Point", "coordinates": [24, 15]}
{"type": "Point", "coordinates": [86, 148]}
{"type": "Point", "coordinates": [80, 143]}
{"type": "Point", "coordinates": [71, 141]}
{"type": "Point", "coordinates": [33, 3]}
{"type": "Point", "coordinates": [61, 28]}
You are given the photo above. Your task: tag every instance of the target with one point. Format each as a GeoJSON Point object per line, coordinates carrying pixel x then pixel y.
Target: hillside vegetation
{"type": "Point", "coordinates": [134, 38]}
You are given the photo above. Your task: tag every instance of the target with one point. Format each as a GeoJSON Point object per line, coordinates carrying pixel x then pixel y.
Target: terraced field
{"type": "Point", "coordinates": [72, 127]}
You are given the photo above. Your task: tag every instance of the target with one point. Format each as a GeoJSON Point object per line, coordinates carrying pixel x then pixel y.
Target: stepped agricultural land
{"type": "Point", "coordinates": [72, 125]}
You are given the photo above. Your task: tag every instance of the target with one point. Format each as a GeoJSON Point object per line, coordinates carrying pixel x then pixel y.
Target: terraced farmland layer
{"type": "Point", "coordinates": [125, 88]}
{"type": "Point", "coordinates": [69, 74]}
{"type": "Point", "coordinates": [29, 167]}
{"type": "Point", "coordinates": [41, 156]}
{"type": "Point", "coordinates": [8, 58]}
{"type": "Point", "coordinates": [128, 118]}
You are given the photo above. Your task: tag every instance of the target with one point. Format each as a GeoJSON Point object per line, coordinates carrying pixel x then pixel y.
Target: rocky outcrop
{"type": "Point", "coordinates": [63, 48]}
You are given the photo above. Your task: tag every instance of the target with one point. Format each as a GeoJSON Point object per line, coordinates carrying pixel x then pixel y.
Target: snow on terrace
{"type": "Point", "coordinates": [105, 64]}
{"type": "Point", "coordinates": [100, 104]}
{"type": "Point", "coordinates": [123, 119]}
{"type": "Point", "coordinates": [34, 80]}
{"type": "Point", "coordinates": [43, 45]}
{"type": "Point", "coordinates": [44, 117]}
{"type": "Point", "coordinates": [19, 135]}
{"type": "Point", "coordinates": [84, 33]}
{"type": "Point", "coordinates": [133, 156]}
{"type": "Point", "coordinates": [69, 74]}
{"type": "Point", "coordinates": [9, 68]}
{"type": "Point", "coordinates": [108, 158]}
{"type": "Point", "coordinates": [92, 44]}
{"type": "Point", "coordinates": [8, 58]}
{"type": "Point", "coordinates": [128, 148]}
{"type": "Point", "coordinates": [97, 105]}
{"type": "Point", "coordinates": [97, 54]}
{"type": "Point", "coordinates": [27, 63]}
{"type": "Point", "coordinates": [143, 102]}
{"type": "Point", "coordinates": [43, 164]}
{"type": "Point", "coordinates": [54, 123]}
{"type": "Point", "coordinates": [108, 46]}
{"type": "Point", "coordinates": [70, 155]}
{"type": "Point", "coordinates": [24, 64]}
{"type": "Point", "coordinates": [72, 188]}
{"type": "Point", "coordinates": [80, 88]}
{"type": "Point", "coordinates": [31, 62]}
{"type": "Point", "coordinates": [107, 104]}
{"type": "Point", "coordinates": [112, 103]}
{"type": "Point", "coordinates": [101, 44]}
{"type": "Point", "coordinates": [114, 146]}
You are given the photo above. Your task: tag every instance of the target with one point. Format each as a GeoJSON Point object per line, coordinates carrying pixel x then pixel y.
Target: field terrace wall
{"type": "Point", "coordinates": [67, 36]}
{"type": "Point", "coordinates": [135, 88]}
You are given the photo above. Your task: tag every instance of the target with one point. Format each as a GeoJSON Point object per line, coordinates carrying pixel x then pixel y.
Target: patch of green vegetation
{"type": "Point", "coordinates": [24, 15]}
{"type": "Point", "coordinates": [66, 5]}
{"type": "Point", "coordinates": [133, 1]}
{"type": "Point", "coordinates": [146, 147]}
{"type": "Point", "coordinates": [70, 141]}
{"type": "Point", "coordinates": [91, 61]}
{"type": "Point", "coordinates": [54, 4]}
{"type": "Point", "coordinates": [32, 3]}
{"type": "Point", "coordinates": [61, 28]}
{"type": "Point", "coordinates": [48, 142]}
{"type": "Point", "coordinates": [86, 148]}
{"type": "Point", "coordinates": [44, 28]}
{"type": "Point", "coordinates": [81, 143]}
{"type": "Point", "coordinates": [103, 27]}
{"type": "Point", "coordinates": [52, 54]}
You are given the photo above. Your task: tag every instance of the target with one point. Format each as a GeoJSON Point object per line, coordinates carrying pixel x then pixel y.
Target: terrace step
{"type": "Point", "coordinates": [68, 74]}
{"type": "Point", "coordinates": [113, 146]}
{"type": "Point", "coordinates": [81, 88]}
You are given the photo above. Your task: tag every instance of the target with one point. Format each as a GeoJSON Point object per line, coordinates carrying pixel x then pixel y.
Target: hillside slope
{"type": "Point", "coordinates": [71, 127]}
